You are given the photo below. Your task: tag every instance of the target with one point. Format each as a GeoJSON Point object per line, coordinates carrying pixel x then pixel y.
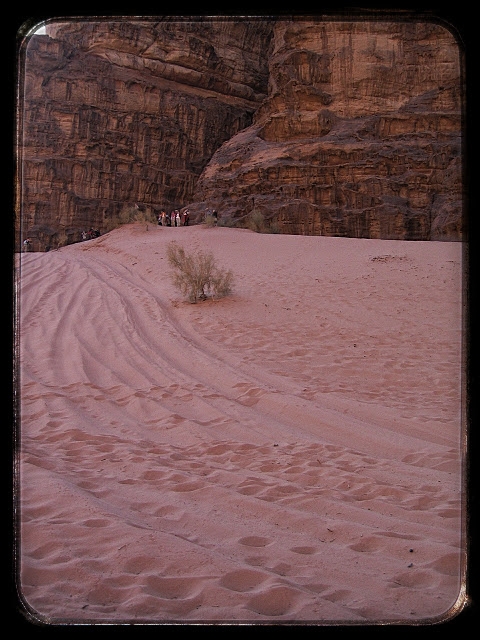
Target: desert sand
{"type": "Point", "coordinates": [291, 453]}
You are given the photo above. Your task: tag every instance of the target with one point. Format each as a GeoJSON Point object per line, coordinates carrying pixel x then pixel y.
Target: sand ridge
{"type": "Point", "coordinates": [290, 453]}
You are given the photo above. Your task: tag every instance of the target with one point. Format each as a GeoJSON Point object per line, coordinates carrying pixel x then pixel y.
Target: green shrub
{"type": "Point", "coordinates": [210, 221]}
{"type": "Point", "coordinates": [256, 221]}
{"type": "Point", "coordinates": [128, 214]}
{"type": "Point", "coordinates": [196, 275]}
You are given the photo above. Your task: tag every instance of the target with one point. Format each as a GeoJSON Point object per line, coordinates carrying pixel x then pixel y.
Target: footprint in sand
{"type": "Point", "coordinates": [153, 475]}
{"type": "Point", "coordinates": [107, 592]}
{"type": "Point", "coordinates": [306, 551]}
{"type": "Point", "coordinates": [252, 486]}
{"type": "Point", "coordinates": [171, 588]}
{"type": "Point", "coordinates": [218, 449]}
{"type": "Point", "coordinates": [40, 462]}
{"type": "Point", "coordinates": [339, 595]}
{"type": "Point", "coordinates": [255, 541]}
{"type": "Point", "coordinates": [448, 565]}
{"type": "Point", "coordinates": [367, 545]}
{"type": "Point", "coordinates": [250, 489]}
{"type": "Point", "coordinates": [137, 564]}
{"type": "Point", "coordinates": [243, 580]}
{"type": "Point", "coordinates": [250, 396]}
{"type": "Point", "coordinates": [276, 601]}
{"type": "Point", "coordinates": [414, 579]}
{"type": "Point", "coordinates": [169, 512]}
{"type": "Point", "coordinates": [449, 513]}
{"type": "Point", "coordinates": [53, 424]}
{"type": "Point", "coordinates": [106, 448]}
{"type": "Point", "coordinates": [96, 523]}
{"type": "Point", "coordinates": [185, 487]}
{"type": "Point", "coordinates": [45, 550]}
{"type": "Point", "coordinates": [401, 536]}
{"type": "Point", "coordinates": [282, 568]}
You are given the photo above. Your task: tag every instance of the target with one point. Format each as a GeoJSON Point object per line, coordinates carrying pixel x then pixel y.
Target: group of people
{"type": "Point", "coordinates": [174, 219]}
{"type": "Point", "coordinates": [90, 234]}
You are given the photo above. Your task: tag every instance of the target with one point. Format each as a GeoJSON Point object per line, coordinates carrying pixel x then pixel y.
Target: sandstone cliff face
{"type": "Point", "coordinates": [360, 135]}
{"type": "Point", "coordinates": [118, 113]}
{"type": "Point", "coordinates": [333, 128]}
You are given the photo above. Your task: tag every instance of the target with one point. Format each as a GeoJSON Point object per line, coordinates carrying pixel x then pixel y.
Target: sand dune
{"type": "Point", "coordinates": [292, 452]}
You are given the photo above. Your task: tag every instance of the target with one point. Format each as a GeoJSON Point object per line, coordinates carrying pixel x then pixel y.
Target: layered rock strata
{"type": "Point", "coordinates": [123, 113]}
{"type": "Point", "coordinates": [348, 128]}
{"type": "Point", "coordinates": [359, 136]}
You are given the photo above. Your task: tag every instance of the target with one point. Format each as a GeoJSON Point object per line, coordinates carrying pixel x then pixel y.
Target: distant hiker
{"type": "Point", "coordinates": [172, 218]}
{"type": "Point", "coordinates": [215, 216]}
{"type": "Point", "coordinates": [26, 244]}
{"type": "Point", "coordinates": [186, 217]}
{"type": "Point", "coordinates": [84, 235]}
{"type": "Point", "coordinates": [177, 218]}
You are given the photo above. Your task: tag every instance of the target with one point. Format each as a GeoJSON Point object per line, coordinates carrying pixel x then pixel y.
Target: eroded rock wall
{"type": "Point", "coordinates": [348, 128]}
{"type": "Point", "coordinates": [359, 136]}
{"type": "Point", "coordinates": [123, 113]}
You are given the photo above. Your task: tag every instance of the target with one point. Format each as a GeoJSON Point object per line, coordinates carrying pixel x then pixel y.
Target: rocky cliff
{"type": "Point", "coordinates": [360, 135]}
{"type": "Point", "coordinates": [119, 113]}
{"type": "Point", "coordinates": [326, 127]}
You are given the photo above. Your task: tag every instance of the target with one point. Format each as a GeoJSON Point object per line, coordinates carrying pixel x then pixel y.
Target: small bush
{"type": "Point", "coordinates": [196, 275]}
{"type": "Point", "coordinates": [222, 283]}
{"type": "Point", "coordinates": [210, 221]}
{"type": "Point", "coordinates": [129, 214]}
{"type": "Point", "coordinates": [256, 222]}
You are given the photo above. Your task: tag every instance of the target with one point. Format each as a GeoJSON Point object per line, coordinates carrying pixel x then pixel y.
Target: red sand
{"type": "Point", "coordinates": [292, 452]}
